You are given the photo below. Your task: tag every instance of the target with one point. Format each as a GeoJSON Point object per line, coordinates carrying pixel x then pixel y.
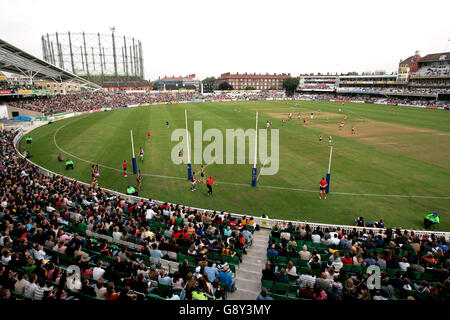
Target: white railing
{"type": "Point", "coordinates": [262, 222]}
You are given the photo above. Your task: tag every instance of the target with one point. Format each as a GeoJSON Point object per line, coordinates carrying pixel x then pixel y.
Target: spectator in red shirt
{"type": "Point", "coordinates": [347, 259]}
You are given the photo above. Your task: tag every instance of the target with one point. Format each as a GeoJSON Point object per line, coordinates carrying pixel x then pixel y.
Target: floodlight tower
{"type": "Point", "coordinates": [114, 50]}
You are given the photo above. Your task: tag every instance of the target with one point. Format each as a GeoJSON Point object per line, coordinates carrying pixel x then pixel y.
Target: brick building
{"type": "Point", "coordinates": [408, 66]}
{"type": "Point", "coordinates": [257, 81]}
{"type": "Point", "coordinates": [127, 86]}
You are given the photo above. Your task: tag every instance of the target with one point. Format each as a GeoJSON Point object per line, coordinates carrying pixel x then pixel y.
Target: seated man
{"type": "Point", "coordinates": [131, 191]}
{"type": "Point", "coordinates": [359, 222]}
{"type": "Point", "coordinates": [26, 154]}
{"type": "Point", "coordinates": [60, 158]}
{"type": "Point", "coordinates": [380, 224]}
{"type": "Point", "coordinates": [69, 164]}
{"type": "Point", "coordinates": [430, 220]}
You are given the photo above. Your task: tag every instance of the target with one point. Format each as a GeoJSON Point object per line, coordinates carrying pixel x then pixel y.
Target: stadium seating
{"type": "Point", "coordinates": [86, 241]}
{"type": "Point", "coordinates": [431, 257]}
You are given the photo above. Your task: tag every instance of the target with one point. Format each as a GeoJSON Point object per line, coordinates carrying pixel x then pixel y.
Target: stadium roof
{"type": "Point", "coordinates": [15, 60]}
{"type": "Point", "coordinates": [443, 56]}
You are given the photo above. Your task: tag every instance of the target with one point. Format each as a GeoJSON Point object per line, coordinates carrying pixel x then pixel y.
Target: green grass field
{"type": "Point", "coordinates": [391, 168]}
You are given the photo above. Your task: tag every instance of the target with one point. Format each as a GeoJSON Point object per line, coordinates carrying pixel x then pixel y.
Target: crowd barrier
{"type": "Point", "coordinates": [262, 222]}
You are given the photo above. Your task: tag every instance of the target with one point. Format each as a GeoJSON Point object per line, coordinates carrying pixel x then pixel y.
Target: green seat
{"type": "Point", "coordinates": [181, 257]}
{"type": "Point", "coordinates": [324, 257]}
{"type": "Point", "coordinates": [163, 288]}
{"type": "Point", "coordinates": [283, 259]}
{"type": "Point", "coordinates": [267, 284]}
{"type": "Point", "coordinates": [279, 296]}
{"type": "Point", "coordinates": [234, 260]}
{"type": "Point", "coordinates": [347, 267]}
{"type": "Point", "coordinates": [281, 287]}
{"type": "Point", "coordinates": [152, 296]}
{"type": "Point", "coordinates": [417, 275]}
{"type": "Point", "coordinates": [427, 276]}
{"type": "Point", "coordinates": [316, 272]}
{"type": "Point", "coordinates": [303, 263]}
{"type": "Point", "coordinates": [391, 272]}
{"type": "Point", "coordinates": [293, 298]}
{"type": "Point", "coordinates": [292, 278]}
{"type": "Point", "coordinates": [357, 268]}
{"type": "Point", "coordinates": [292, 290]}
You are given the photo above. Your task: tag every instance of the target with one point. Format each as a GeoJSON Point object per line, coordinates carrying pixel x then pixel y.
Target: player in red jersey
{"type": "Point", "coordinates": [148, 134]}
{"type": "Point", "coordinates": [124, 166]}
{"type": "Point", "coordinates": [209, 183]}
{"type": "Point", "coordinates": [323, 185]}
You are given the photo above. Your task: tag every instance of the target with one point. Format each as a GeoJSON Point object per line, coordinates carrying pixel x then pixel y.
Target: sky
{"type": "Point", "coordinates": [210, 37]}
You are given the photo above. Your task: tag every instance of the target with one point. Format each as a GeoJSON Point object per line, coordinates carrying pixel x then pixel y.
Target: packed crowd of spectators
{"type": "Point", "coordinates": [384, 90]}
{"type": "Point", "coordinates": [44, 227]}
{"type": "Point", "coordinates": [249, 95]}
{"type": "Point", "coordinates": [415, 90]}
{"type": "Point", "coordinates": [320, 86]}
{"type": "Point", "coordinates": [435, 70]}
{"type": "Point", "coordinates": [14, 86]}
{"type": "Point", "coordinates": [303, 263]}
{"type": "Point", "coordinates": [79, 102]}
{"type": "Point", "coordinates": [371, 99]}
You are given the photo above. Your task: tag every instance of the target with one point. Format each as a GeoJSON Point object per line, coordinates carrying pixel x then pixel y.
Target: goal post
{"type": "Point", "coordinates": [327, 189]}
{"type": "Point", "coordinates": [134, 157]}
{"type": "Point", "coordinates": [189, 167]}
{"type": "Point", "coordinates": [255, 169]}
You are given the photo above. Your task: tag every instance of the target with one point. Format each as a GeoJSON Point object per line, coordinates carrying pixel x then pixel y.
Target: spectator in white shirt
{"type": "Point", "coordinates": [39, 254]}
{"type": "Point", "coordinates": [30, 287]}
{"type": "Point", "coordinates": [21, 283]}
{"type": "Point", "coordinates": [404, 264]}
{"type": "Point", "coordinates": [98, 272]}
{"type": "Point", "coordinates": [100, 290]}
{"type": "Point", "coordinates": [315, 238]}
{"type": "Point", "coordinates": [308, 277]}
{"type": "Point", "coordinates": [6, 257]}
{"type": "Point", "coordinates": [150, 214]}
{"type": "Point", "coordinates": [334, 239]}
{"type": "Point", "coordinates": [117, 235]}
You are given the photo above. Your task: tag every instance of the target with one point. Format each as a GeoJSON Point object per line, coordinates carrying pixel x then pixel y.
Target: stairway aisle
{"type": "Point", "coordinates": [248, 274]}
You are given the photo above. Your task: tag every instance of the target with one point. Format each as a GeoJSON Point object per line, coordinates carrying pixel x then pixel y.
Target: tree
{"type": "Point", "coordinates": [208, 84]}
{"type": "Point", "coordinates": [290, 85]}
{"type": "Point", "coordinates": [225, 86]}
{"type": "Point", "coordinates": [209, 80]}
{"type": "Point", "coordinates": [154, 84]}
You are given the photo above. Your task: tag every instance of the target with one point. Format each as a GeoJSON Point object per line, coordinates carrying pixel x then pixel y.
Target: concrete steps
{"type": "Point", "coordinates": [248, 274]}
